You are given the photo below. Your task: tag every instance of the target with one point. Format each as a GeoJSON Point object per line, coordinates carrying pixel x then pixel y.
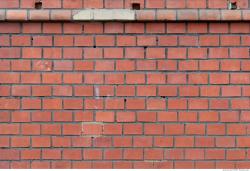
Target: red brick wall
{"type": "Point", "coordinates": [124, 95]}
{"type": "Point", "coordinates": [148, 4]}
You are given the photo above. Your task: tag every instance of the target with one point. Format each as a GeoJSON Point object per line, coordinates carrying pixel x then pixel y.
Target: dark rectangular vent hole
{"type": "Point", "coordinates": [136, 6]}
{"type": "Point", "coordinates": [38, 5]}
{"type": "Point", "coordinates": [232, 5]}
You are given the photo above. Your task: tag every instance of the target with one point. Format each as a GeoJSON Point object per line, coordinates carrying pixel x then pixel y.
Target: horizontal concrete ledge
{"type": "Point", "coordinates": [125, 15]}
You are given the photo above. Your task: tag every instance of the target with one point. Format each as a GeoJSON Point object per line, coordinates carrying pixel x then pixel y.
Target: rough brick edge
{"type": "Point", "coordinates": [125, 15]}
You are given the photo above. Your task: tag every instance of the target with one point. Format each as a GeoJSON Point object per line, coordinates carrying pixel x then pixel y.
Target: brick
{"type": "Point", "coordinates": [164, 15]}
{"type": "Point", "coordinates": [155, 28]}
{"type": "Point", "coordinates": [52, 104]}
{"type": "Point", "coordinates": [60, 164]}
{"type": "Point", "coordinates": [239, 53]}
{"type": "Point", "coordinates": [215, 154]}
{"type": "Point", "coordinates": [132, 129]}
{"type": "Point", "coordinates": [92, 154]}
{"type": "Point", "coordinates": [9, 154]}
{"type": "Point", "coordinates": [72, 4]}
{"type": "Point", "coordinates": [184, 141]}
{"type": "Point", "coordinates": [104, 40]}
{"type": "Point", "coordinates": [235, 155]}
{"type": "Point", "coordinates": [32, 52]}
{"type": "Point", "coordinates": [122, 141]}
{"type": "Point", "coordinates": [174, 154]}
{"type": "Point", "coordinates": [63, 40]}
{"type": "Point", "coordinates": [40, 142]}
{"type": "Point", "coordinates": [241, 78]}
{"type": "Point", "coordinates": [52, 53]}
{"type": "Point", "coordinates": [176, 53]}
{"type": "Point", "coordinates": [218, 27]}
{"type": "Point", "coordinates": [177, 104]}
{"type": "Point", "coordinates": [239, 28]}
{"type": "Point", "coordinates": [155, 4]}
{"type": "Point", "coordinates": [151, 129]}
{"type": "Point", "coordinates": [114, 104]}
{"type": "Point", "coordinates": [20, 117]}
{"type": "Point", "coordinates": [216, 129]}
{"type": "Point", "coordinates": [113, 154]}
{"type": "Point", "coordinates": [30, 129]}
{"type": "Point", "coordinates": [115, 78]}
{"type": "Point", "coordinates": [30, 154]}
{"type": "Point", "coordinates": [113, 53]}
{"type": "Point", "coordinates": [167, 116]}
{"type": "Point", "coordinates": [10, 53]}
{"type": "Point", "coordinates": [51, 129]}
{"type": "Point", "coordinates": [194, 154]}
{"type": "Point", "coordinates": [113, 27]}
{"type": "Point", "coordinates": [208, 116]}
{"type": "Point", "coordinates": [9, 4]}
{"type": "Point", "coordinates": [49, 4]}
{"type": "Point", "coordinates": [51, 154]}
{"type": "Point", "coordinates": [21, 40]}
{"type": "Point", "coordinates": [112, 129]}
{"type": "Point", "coordinates": [4, 40]}
{"type": "Point", "coordinates": [72, 53]}
{"type": "Point", "coordinates": [217, 4]}
{"type": "Point", "coordinates": [174, 129]}
{"type": "Point", "coordinates": [61, 142]}
{"type": "Point", "coordinates": [153, 154]}
{"type": "Point", "coordinates": [219, 78]}
{"type": "Point", "coordinates": [39, 15]}
{"type": "Point", "coordinates": [204, 142]}
{"type": "Point", "coordinates": [153, 104]}
{"type": "Point", "coordinates": [52, 28]}
{"type": "Point", "coordinates": [196, 4]}
{"type": "Point", "coordinates": [83, 116]}
{"type": "Point", "coordinates": [134, 28]}
{"type": "Point", "coordinates": [84, 41]}
{"type": "Point", "coordinates": [155, 53]}
{"type": "Point", "coordinates": [72, 154]}
{"type": "Point", "coordinates": [83, 65]}
{"type": "Point", "coordinates": [125, 117]}
{"type": "Point", "coordinates": [133, 154]}
{"type": "Point", "coordinates": [70, 78]}
{"type": "Point", "coordinates": [18, 142]}
{"type": "Point", "coordinates": [187, 116]}
{"type": "Point", "coordinates": [197, 53]}
{"type": "Point", "coordinates": [146, 91]}
{"type": "Point", "coordinates": [17, 165]}
{"type": "Point", "coordinates": [93, 28]}
{"type": "Point", "coordinates": [187, 15]}
{"type": "Point", "coordinates": [195, 129]}
{"type": "Point", "coordinates": [13, 15]}
{"type": "Point", "coordinates": [104, 117]}
{"type": "Point", "coordinates": [145, 15]}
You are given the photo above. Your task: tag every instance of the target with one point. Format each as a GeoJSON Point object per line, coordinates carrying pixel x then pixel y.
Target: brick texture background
{"type": "Point", "coordinates": [148, 4]}
{"type": "Point", "coordinates": [124, 95]}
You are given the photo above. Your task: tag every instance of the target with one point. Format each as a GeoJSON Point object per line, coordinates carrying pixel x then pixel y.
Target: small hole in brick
{"type": "Point", "coordinates": [94, 46]}
{"type": "Point", "coordinates": [232, 5]}
{"type": "Point", "coordinates": [38, 5]}
{"type": "Point", "coordinates": [145, 47]}
{"type": "Point", "coordinates": [136, 6]}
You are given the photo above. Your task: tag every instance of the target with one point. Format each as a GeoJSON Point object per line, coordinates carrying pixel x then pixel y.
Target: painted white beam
{"type": "Point", "coordinates": [104, 14]}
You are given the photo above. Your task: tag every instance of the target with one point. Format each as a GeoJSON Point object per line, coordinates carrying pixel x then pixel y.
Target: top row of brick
{"type": "Point", "coordinates": [142, 4]}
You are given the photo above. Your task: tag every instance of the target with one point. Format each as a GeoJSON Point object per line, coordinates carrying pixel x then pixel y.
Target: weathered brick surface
{"type": "Point", "coordinates": [148, 4]}
{"type": "Point", "coordinates": [125, 94]}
